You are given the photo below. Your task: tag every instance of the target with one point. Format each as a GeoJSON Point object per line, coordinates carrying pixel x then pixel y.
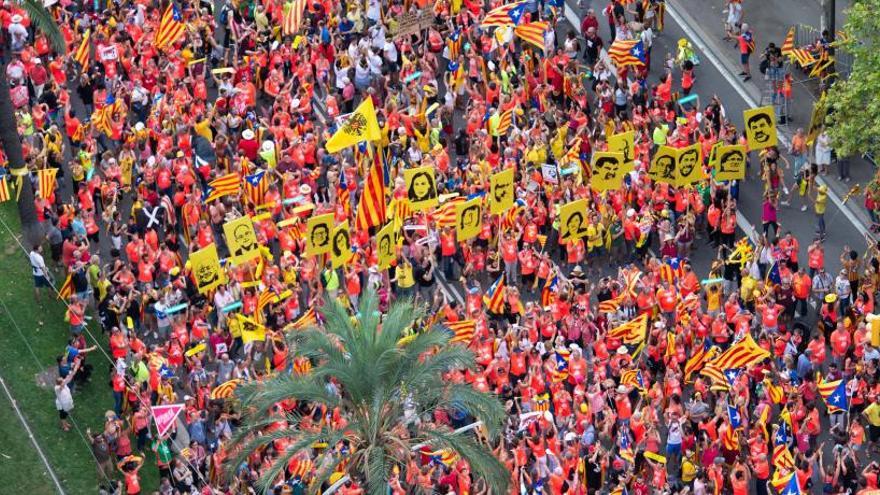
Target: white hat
{"type": "Point", "coordinates": [247, 134]}
{"type": "Point", "coordinates": [139, 126]}
{"type": "Point", "coordinates": [630, 212]}
{"type": "Point", "coordinates": [268, 145]}
{"type": "Point", "coordinates": [305, 189]}
{"type": "Point", "coordinates": [16, 19]}
{"type": "Point", "coordinates": [38, 61]}
{"type": "Point", "coordinates": [622, 350]}
{"type": "Point", "coordinates": [621, 389]}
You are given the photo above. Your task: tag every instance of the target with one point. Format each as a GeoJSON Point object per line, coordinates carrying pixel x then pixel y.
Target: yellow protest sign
{"type": "Point", "coordinates": [625, 143]}
{"type": "Point", "coordinates": [241, 239]}
{"type": "Point", "coordinates": [689, 168]}
{"type": "Point", "coordinates": [385, 246]}
{"type": "Point", "coordinates": [663, 165]}
{"type": "Point", "coordinates": [468, 219]}
{"type": "Point", "coordinates": [206, 268]}
{"type": "Point", "coordinates": [251, 330]}
{"type": "Point", "coordinates": [730, 163]}
{"type": "Point", "coordinates": [573, 221]}
{"type": "Point", "coordinates": [360, 125]}
{"type": "Point", "coordinates": [318, 234]}
{"type": "Point", "coordinates": [760, 127]}
{"type": "Point", "coordinates": [421, 188]}
{"type": "Point", "coordinates": [501, 191]}
{"type": "Point", "coordinates": [340, 251]}
{"type": "Point", "coordinates": [817, 119]}
{"type": "Point", "coordinates": [608, 171]}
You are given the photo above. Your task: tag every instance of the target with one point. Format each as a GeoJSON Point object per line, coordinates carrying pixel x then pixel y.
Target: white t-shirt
{"type": "Point", "coordinates": [37, 264]}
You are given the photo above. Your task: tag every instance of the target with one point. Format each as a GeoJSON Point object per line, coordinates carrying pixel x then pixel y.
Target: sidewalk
{"type": "Point", "coordinates": [770, 22]}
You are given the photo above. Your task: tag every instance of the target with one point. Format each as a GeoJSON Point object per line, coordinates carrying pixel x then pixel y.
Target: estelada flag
{"type": "Point", "coordinates": [741, 354]}
{"type": "Point", "coordinates": [46, 182]}
{"type": "Point", "coordinates": [371, 205]}
{"type": "Point", "coordinates": [533, 33]}
{"type": "Point", "coordinates": [222, 186]}
{"type": "Point", "coordinates": [360, 125]}
{"type": "Point", "coordinates": [505, 15]}
{"type": "Point", "coordinates": [171, 27]}
{"type": "Point", "coordinates": [494, 297]}
{"type": "Point", "coordinates": [66, 289]}
{"type": "Point", "coordinates": [627, 52]}
{"type": "Point", "coordinates": [82, 53]}
{"type": "Point", "coordinates": [462, 331]}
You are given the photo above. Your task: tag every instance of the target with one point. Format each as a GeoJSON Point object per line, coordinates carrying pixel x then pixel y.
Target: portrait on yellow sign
{"type": "Point", "coordinates": [468, 219]}
{"type": "Point", "coordinates": [731, 163]}
{"type": "Point", "coordinates": [608, 171]}
{"type": "Point", "coordinates": [689, 168]}
{"type": "Point", "coordinates": [760, 127]}
{"type": "Point", "coordinates": [501, 191]}
{"type": "Point", "coordinates": [318, 234]}
{"type": "Point", "coordinates": [421, 188]}
{"type": "Point", "coordinates": [663, 165]}
{"type": "Point", "coordinates": [241, 239]}
{"type": "Point", "coordinates": [573, 221]}
{"type": "Point", "coordinates": [625, 143]}
{"type": "Point", "coordinates": [385, 246]}
{"type": "Point", "coordinates": [340, 252]}
{"type": "Point", "coordinates": [206, 268]}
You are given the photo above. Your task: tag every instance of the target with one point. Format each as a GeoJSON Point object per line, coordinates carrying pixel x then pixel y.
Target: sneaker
{"type": "Point", "coordinates": [785, 203]}
{"type": "Point", "coordinates": [746, 78]}
{"type": "Point", "coordinates": [742, 73]}
{"type": "Point", "coordinates": [804, 208]}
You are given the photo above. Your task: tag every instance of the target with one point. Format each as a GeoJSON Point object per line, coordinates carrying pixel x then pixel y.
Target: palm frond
{"type": "Point", "coordinates": [480, 459]}
{"type": "Point", "coordinates": [45, 23]}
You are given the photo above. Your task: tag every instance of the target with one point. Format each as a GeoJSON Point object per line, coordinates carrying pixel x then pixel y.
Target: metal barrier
{"type": "Point", "coordinates": [808, 35]}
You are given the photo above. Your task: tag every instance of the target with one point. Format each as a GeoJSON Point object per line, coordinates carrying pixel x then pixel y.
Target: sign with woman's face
{"type": "Point", "coordinates": [731, 163]}
{"type": "Point", "coordinates": [663, 165]}
{"type": "Point", "coordinates": [573, 221]}
{"type": "Point", "coordinates": [385, 246]}
{"type": "Point", "coordinates": [690, 165]}
{"type": "Point", "coordinates": [421, 188]}
{"type": "Point", "coordinates": [469, 219]}
{"type": "Point", "coordinates": [318, 234]}
{"type": "Point", "coordinates": [760, 127]}
{"type": "Point", "coordinates": [206, 268]}
{"type": "Point", "coordinates": [501, 191]}
{"type": "Point", "coordinates": [608, 171]}
{"type": "Point", "coordinates": [340, 245]}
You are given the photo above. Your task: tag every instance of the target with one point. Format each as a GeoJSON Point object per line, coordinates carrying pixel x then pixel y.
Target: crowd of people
{"type": "Point", "coordinates": [646, 377]}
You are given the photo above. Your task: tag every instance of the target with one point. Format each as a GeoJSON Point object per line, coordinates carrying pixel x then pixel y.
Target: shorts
{"type": "Point", "coordinates": [744, 58]}
{"type": "Point", "coordinates": [41, 281]}
{"type": "Point", "coordinates": [63, 414]}
{"type": "Point", "coordinates": [874, 433]}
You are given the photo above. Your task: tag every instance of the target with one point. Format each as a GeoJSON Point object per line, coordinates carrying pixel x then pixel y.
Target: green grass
{"type": "Point", "coordinates": [43, 336]}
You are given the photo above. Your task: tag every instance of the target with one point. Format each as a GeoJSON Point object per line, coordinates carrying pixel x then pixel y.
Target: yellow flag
{"type": "Point", "coordinates": [318, 234]}
{"type": "Point", "coordinates": [608, 171]}
{"type": "Point", "coordinates": [385, 246]}
{"type": "Point", "coordinates": [421, 188]}
{"type": "Point", "coordinates": [690, 165]}
{"type": "Point", "coordinates": [206, 268]}
{"type": "Point", "coordinates": [360, 125]}
{"type": "Point", "coordinates": [251, 330]}
{"type": "Point", "coordinates": [730, 162]}
{"type": "Point", "coordinates": [625, 143]}
{"type": "Point", "coordinates": [501, 191]}
{"type": "Point", "coordinates": [340, 251]}
{"type": "Point", "coordinates": [573, 221]}
{"type": "Point", "coordinates": [760, 127]}
{"type": "Point", "coordinates": [817, 119]}
{"type": "Point", "coordinates": [241, 239]}
{"type": "Point", "coordinates": [663, 165]}
{"type": "Point", "coordinates": [468, 219]}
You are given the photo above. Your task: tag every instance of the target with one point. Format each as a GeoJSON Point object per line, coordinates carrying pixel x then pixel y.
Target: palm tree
{"type": "Point", "coordinates": [44, 22]}
{"type": "Point", "coordinates": [380, 374]}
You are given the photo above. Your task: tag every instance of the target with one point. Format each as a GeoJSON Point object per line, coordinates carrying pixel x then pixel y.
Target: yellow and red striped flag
{"type": "Point", "coordinates": [505, 121]}
{"type": "Point", "coordinates": [82, 53]}
{"type": "Point", "coordinates": [4, 190]}
{"type": "Point", "coordinates": [222, 186]}
{"type": "Point", "coordinates": [782, 457]}
{"type": "Point", "coordinates": [446, 213]}
{"type": "Point", "coordinates": [292, 16]}
{"type": "Point", "coordinates": [66, 289]}
{"type": "Point", "coordinates": [742, 354]}
{"type": "Point", "coordinates": [627, 52]}
{"type": "Point", "coordinates": [171, 27]}
{"type": "Point", "coordinates": [788, 44]}
{"type": "Point", "coordinates": [46, 182]}
{"type": "Point", "coordinates": [532, 32]}
{"type": "Point", "coordinates": [494, 298]}
{"type": "Point", "coordinates": [307, 319]}
{"type": "Point", "coordinates": [504, 15]}
{"type": "Point", "coordinates": [633, 331]}
{"type": "Point", "coordinates": [371, 205]}
{"type": "Point", "coordinates": [462, 331]}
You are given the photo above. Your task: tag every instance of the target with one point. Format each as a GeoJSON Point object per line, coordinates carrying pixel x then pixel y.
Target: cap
{"type": "Point", "coordinates": [830, 298]}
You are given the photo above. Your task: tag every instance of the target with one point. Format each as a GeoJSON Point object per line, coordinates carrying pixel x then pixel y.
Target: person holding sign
{"type": "Point", "coordinates": [421, 188]}
{"type": "Point", "coordinates": [760, 127]}
{"type": "Point", "coordinates": [731, 163]}
{"type": "Point", "coordinates": [469, 219]}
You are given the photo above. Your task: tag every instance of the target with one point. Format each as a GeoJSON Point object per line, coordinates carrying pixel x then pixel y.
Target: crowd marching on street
{"type": "Point", "coordinates": [207, 177]}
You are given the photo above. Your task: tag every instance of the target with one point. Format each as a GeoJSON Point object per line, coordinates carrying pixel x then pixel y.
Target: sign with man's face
{"type": "Point", "coordinates": [731, 163]}
{"type": "Point", "coordinates": [385, 246]}
{"type": "Point", "coordinates": [663, 165]}
{"type": "Point", "coordinates": [760, 127]}
{"type": "Point", "coordinates": [468, 219]}
{"type": "Point", "coordinates": [421, 188]}
{"type": "Point", "coordinates": [318, 231]}
{"type": "Point", "coordinates": [608, 171]}
{"type": "Point", "coordinates": [340, 245]}
{"type": "Point", "coordinates": [206, 268]}
{"type": "Point", "coordinates": [573, 221]}
{"type": "Point", "coordinates": [501, 191]}
{"type": "Point", "coordinates": [690, 165]}
{"type": "Point", "coordinates": [625, 143]}
{"type": "Point", "coordinates": [241, 239]}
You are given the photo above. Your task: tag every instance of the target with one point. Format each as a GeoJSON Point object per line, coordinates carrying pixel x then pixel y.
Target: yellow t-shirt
{"type": "Point", "coordinates": [747, 289]}
{"type": "Point", "coordinates": [872, 412]}
{"type": "Point", "coordinates": [405, 277]}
